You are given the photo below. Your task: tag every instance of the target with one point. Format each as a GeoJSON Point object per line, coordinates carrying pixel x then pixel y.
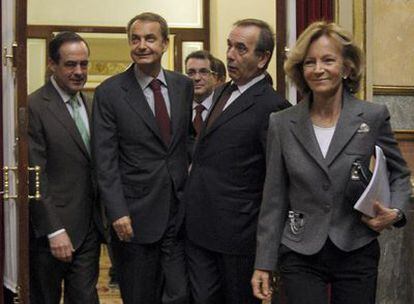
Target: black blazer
{"type": "Point", "coordinates": [138, 175]}
{"type": "Point", "coordinates": [225, 186]}
{"type": "Point", "coordinates": [68, 188]}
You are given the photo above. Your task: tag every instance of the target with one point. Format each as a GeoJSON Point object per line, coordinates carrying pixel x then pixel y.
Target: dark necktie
{"type": "Point", "coordinates": [198, 118]}
{"type": "Point", "coordinates": [161, 114]}
{"type": "Point", "coordinates": [218, 107]}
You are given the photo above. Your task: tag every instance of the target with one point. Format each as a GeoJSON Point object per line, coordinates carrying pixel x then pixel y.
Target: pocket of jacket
{"type": "Point", "coordinates": [295, 225]}
{"type": "Point", "coordinates": [135, 191]}
{"type": "Point", "coordinates": [240, 206]}
{"type": "Point", "coordinates": [61, 200]}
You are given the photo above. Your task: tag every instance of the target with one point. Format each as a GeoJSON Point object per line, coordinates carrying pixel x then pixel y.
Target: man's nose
{"type": "Point", "coordinates": [78, 69]}
{"type": "Point", "coordinates": [142, 44]}
{"type": "Point", "coordinates": [230, 54]}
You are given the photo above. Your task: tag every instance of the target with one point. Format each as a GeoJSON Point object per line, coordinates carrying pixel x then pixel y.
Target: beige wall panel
{"type": "Point", "coordinates": [36, 64]}
{"type": "Point", "coordinates": [393, 43]}
{"type": "Point", "coordinates": [110, 55]}
{"type": "Point", "coordinates": [223, 13]}
{"type": "Point", "coordinates": [178, 13]}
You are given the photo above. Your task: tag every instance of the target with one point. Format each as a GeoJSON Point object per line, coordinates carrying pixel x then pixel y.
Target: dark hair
{"type": "Point", "coordinates": [351, 53]}
{"type": "Point", "coordinates": [59, 40]}
{"type": "Point", "coordinates": [266, 41]}
{"type": "Point", "coordinates": [201, 55]}
{"type": "Point", "coordinates": [150, 17]}
{"type": "Point", "coordinates": [219, 68]}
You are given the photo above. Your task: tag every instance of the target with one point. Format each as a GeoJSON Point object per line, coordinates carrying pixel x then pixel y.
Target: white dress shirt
{"type": "Point", "coordinates": [206, 103]}
{"type": "Point", "coordinates": [144, 82]}
{"type": "Point", "coordinates": [241, 89]}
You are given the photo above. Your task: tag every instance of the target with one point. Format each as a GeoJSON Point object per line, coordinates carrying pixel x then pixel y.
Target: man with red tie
{"type": "Point", "coordinates": [199, 66]}
{"type": "Point", "coordinates": [224, 189]}
{"type": "Point", "coordinates": [141, 128]}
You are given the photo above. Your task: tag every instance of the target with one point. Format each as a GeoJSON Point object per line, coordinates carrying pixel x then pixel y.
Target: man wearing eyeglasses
{"type": "Point", "coordinates": [198, 66]}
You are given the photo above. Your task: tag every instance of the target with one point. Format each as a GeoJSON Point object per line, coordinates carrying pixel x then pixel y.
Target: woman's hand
{"type": "Point", "coordinates": [384, 218]}
{"type": "Point", "coordinates": [261, 284]}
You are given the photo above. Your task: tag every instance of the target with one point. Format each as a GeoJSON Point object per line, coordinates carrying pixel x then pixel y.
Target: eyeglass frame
{"type": "Point", "coordinates": [202, 72]}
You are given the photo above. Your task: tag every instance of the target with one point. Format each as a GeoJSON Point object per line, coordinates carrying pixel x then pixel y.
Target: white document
{"type": "Point", "coordinates": [378, 188]}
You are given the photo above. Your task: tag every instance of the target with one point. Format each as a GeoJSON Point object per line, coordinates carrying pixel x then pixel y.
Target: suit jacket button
{"type": "Point", "coordinates": [325, 187]}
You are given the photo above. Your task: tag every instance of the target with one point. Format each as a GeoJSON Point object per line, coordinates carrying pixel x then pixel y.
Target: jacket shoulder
{"type": "Point", "coordinates": [274, 99]}
{"type": "Point", "coordinates": [114, 80]}
{"type": "Point", "coordinates": [39, 97]}
{"type": "Point", "coordinates": [177, 76]}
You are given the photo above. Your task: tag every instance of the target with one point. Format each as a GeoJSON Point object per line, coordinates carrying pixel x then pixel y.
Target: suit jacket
{"type": "Point", "coordinates": [225, 186]}
{"type": "Point", "coordinates": [299, 179]}
{"type": "Point", "coordinates": [138, 175]}
{"type": "Point", "coordinates": [68, 189]}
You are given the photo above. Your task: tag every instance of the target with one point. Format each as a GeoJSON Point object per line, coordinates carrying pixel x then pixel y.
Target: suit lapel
{"type": "Point", "coordinates": [240, 104]}
{"type": "Point", "coordinates": [302, 128]}
{"type": "Point", "coordinates": [348, 123]}
{"type": "Point", "coordinates": [175, 95]}
{"type": "Point", "coordinates": [136, 99]}
{"type": "Point", "coordinates": [61, 113]}
{"type": "Point", "coordinates": [88, 106]}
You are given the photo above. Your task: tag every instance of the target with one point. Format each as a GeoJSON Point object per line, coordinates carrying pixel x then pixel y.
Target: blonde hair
{"type": "Point", "coordinates": [351, 53]}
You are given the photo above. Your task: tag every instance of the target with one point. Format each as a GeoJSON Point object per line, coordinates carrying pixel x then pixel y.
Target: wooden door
{"type": "Point", "coordinates": [14, 149]}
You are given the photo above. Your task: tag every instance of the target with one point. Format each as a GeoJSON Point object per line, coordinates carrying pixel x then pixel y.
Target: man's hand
{"type": "Point", "coordinates": [61, 247]}
{"type": "Point", "coordinates": [383, 219]}
{"type": "Point", "coordinates": [123, 228]}
{"type": "Point", "coordinates": [261, 284]}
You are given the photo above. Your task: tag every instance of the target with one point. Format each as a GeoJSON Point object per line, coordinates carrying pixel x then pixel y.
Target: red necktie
{"type": "Point", "coordinates": [198, 118]}
{"type": "Point", "coordinates": [218, 107]}
{"type": "Point", "coordinates": [161, 114]}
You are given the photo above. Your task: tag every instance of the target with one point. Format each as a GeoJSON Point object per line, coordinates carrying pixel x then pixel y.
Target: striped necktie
{"type": "Point", "coordinates": [80, 124]}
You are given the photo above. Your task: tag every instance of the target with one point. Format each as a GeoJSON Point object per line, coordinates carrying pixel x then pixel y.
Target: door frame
{"type": "Point", "coordinates": [19, 62]}
{"type": "Point", "coordinates": [23, 151]}
{"type": "Point", "coordinates": [1, 167]}
{"type": "Point", "coordinates": [281, 43]}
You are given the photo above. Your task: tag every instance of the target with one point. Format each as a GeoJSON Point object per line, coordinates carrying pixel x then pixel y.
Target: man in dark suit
{"type": "Point", "coordinates": [199, 67]}
{"type": "Point", "coordinates": [65, 242]}
{"type": "Point", "coordinates": [224, 190]}
{"type": "Point", "coordinates": [142, 122]}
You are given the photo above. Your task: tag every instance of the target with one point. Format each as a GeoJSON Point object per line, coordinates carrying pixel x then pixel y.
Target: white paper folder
{"type": "Point", "coordinates": [378, 188]}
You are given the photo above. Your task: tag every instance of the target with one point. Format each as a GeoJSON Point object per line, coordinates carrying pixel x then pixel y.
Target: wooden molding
{"type": "Point", "coordinates": [393, 90]}
{"type": "Point", "coordinates": [405, 135]}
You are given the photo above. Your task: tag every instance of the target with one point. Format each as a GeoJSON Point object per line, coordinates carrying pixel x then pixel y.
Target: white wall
{"type": "Point", "coordinates": [178, 13]}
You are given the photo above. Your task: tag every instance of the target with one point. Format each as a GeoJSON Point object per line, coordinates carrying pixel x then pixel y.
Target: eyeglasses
{"type": "Point", "coordinates": [201, 72]}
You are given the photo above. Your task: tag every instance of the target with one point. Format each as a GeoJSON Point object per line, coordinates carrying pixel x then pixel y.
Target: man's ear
{"type": "Point", "coordinates": [264, 59]}
{"type": "Point", "coordinates": [51, 64]}
{"type": "Point", "coordinates": [166, 43]}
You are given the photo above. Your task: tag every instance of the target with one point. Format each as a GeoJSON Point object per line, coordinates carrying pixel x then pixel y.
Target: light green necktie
{"type": "Point", "coordinates": [74, 103]}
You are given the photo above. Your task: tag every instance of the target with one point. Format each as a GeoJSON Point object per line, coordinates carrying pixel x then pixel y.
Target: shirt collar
{"type": "Point", "coordinates": [65, 96]}
{"type": "Point", "coordinates": [144, 80]}
{"type": "Point", "coordinates": [244, 87]}
{"type": "Point", "coordinates": [206, 102]}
